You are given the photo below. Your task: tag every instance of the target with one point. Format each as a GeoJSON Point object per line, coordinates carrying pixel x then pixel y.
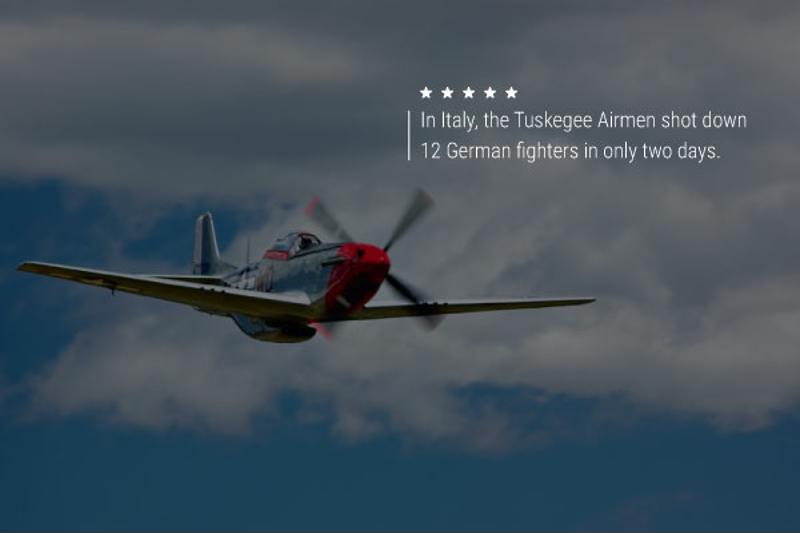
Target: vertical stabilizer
{"type": "Point", "coordinates": [206, 260]}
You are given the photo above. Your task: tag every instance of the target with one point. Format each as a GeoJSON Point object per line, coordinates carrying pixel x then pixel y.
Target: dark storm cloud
{"type": "Point", "coordinates": [697, 283]}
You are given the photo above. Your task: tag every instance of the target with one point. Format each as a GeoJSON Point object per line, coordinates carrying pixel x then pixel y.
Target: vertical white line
{"type": "Point", "coordinates": [408, 135]}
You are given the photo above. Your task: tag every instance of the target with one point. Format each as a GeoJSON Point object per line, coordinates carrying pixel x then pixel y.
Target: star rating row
{"type": "Point", "coordinates": [469, 92]}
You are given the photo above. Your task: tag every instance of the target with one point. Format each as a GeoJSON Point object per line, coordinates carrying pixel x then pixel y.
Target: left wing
{"type": "Point", "coordinates": [203, 280]}
{"type": "Point", "coordinates": [396, 310]}
{"type": "Point", "coordinates": [210, 298]}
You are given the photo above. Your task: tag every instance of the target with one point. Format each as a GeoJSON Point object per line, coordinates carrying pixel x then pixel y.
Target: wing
{"type": "Point", "coordinates": [396, 310]}
{"type": "Point", "coordinates": [210, 298]}
{"type": "Point", "coordinates": [202, 280]}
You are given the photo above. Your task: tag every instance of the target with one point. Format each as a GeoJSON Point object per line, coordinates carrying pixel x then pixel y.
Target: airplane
{"type": "Point", "coordinates": [300, 286]}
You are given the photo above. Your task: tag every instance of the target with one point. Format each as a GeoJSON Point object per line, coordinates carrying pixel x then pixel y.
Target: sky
{"type": "Point", "coordinates": [671, 403]}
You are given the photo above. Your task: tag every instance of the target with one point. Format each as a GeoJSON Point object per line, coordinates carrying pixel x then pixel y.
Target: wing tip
{"type": "Point", "coordinates": [27, 266]}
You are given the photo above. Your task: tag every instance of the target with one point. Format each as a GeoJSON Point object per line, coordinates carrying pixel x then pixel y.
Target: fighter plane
{"type": "Point", "coordinates": [299, 286]}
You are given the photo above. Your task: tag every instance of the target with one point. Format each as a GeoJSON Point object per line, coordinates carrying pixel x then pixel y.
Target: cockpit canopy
{"type": "Point", "coordinates": [291, 244]}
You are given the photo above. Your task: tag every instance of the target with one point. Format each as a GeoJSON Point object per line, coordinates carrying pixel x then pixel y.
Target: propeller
{"type": "Point", "coordinates": [412, 295]}
{"type": "Point", "coordinates": [316, 211]}
{"type": "Point", "coordinates": [419, 205]}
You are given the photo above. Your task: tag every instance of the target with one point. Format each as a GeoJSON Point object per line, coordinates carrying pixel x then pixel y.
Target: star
{"type": "Point", "coordinates": [511, 92]}
{"type": "Point", "coordinates": [426, 93]}
{"type": "Point", "coordinates": [489, 92]}
{"type": "Point", "coordinates": [447, 92]}
{"type": "Point", "coordinates": [468, 92]}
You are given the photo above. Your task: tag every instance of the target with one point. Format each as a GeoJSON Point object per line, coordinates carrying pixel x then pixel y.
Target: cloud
{"type": "Point", "coordinates": [159, 367]}
{"type": "Point", "coordinates": [123, 103]}
{"type": "Point", "coordinates": [695, 277]}
{"type": "Point", "coordinates": [269, 101]}
{"type": "Point", "coordinates": [728, 358]}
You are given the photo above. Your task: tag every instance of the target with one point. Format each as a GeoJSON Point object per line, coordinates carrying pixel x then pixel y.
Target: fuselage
{"type": "Point", "coordinates": [338, 278]}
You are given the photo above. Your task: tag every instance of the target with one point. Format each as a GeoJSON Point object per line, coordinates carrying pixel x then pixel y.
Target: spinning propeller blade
{"type": "Point", "coordinates": [420, 204]}
{"type": "Point", "coordinates": [316, 211]}
{"type": "Point", "coordinates": [412, 296]}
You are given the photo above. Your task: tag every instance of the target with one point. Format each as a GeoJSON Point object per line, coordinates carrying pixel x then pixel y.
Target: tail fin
{"type": "Point", "coordinates": [206, 260]}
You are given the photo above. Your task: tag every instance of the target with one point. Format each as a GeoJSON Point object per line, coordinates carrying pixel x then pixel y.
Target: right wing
{"type": "Point", "coordinates": [210, 298]}
{"type": "Point", "coordinates": [396, 310]}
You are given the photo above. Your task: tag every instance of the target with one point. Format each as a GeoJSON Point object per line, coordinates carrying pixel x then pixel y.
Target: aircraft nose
{"type": "Point", "coordinates": [372, 255]}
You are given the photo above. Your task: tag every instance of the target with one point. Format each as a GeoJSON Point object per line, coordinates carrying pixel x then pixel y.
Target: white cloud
{"type": "Point", "coordinates": [153, 365]}
{"type": "Point", "coordinates": [693, 265]}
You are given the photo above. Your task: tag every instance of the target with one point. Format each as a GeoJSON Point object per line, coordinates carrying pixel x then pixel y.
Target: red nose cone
{"type": "Point", "coordinates": [367, 254]}
{"type": "Point", "coordinates": [358, 278]}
